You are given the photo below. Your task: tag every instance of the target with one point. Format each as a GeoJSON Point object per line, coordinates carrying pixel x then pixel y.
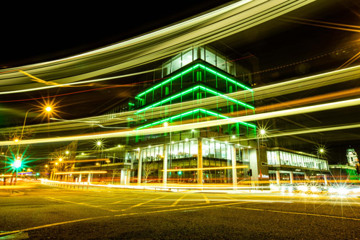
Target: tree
{"type": "Point", "coordinates": [148, 169]}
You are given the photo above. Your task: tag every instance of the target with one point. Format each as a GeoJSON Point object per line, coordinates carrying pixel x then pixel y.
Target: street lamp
{"type": "Point", "coordinates": [262, 131]}
{"type": "Point", "coordinates": [48, 109]}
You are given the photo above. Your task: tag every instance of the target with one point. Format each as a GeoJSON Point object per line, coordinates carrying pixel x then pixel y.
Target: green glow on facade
{"type": "Point", "coordinates": [197, 87]}
{"type": "Point", "coordinates": [211, 113]}
{"type": "Point", "coordinates": [190, 69]}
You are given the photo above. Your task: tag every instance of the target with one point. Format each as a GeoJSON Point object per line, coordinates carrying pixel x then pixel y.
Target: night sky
{"type": "Point", "coordinates": [34, 33]}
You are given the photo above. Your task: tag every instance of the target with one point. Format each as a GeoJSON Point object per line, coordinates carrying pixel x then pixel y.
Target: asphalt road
{"type": "Point", "coordinates": [46, 212]}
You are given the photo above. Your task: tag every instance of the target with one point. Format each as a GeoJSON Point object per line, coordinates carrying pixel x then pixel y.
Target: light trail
{"type": "Point", "coordinates": [249, 118]}
{"type": "Point", "coordinates": [273, 90]}
{"type": "Point", "coordinates": [204, 169]}
{"type": "Point", "coordinates": [81, 172]}
{"type": "Point", "coordinates": [85, 160]}
{"type": "Point", "coordinates": [55, 84]}
{"type": "Point", "coordinates": [201, 30]}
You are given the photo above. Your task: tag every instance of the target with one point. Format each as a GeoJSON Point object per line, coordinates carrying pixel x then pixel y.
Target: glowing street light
{"type": "Point", "coordinates": [262, 132]}
{"type": "Point", "coordinates": [17, 164]}
{"type": "Point", "coordinates": [48, 109]}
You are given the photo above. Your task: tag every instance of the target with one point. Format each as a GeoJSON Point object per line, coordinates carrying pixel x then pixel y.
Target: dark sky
{"type": "Point", "coordinates": [35, 32]}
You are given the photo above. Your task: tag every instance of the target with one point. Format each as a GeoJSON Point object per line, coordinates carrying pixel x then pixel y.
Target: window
{"type": "Point", "coordinates": [210, 57]}
{"type": "Point", "coordinates": [221, 63]}
{"type": "Point", "coordinates": [187, 58]}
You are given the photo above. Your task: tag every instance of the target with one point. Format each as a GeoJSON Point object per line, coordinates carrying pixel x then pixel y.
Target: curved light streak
{"type": "Point", "coordinates": [55, 85]}
{"type": "Point", "coordinates": [150, 47]}
{"type": "Point", "coordinates": [255, 117]}
{"type": "Point", "coordinates": [273, 90]}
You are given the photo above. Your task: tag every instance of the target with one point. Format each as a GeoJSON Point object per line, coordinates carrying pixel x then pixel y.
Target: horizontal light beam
{"type": "Point", "coordinates": [204, 169]}
{"type": "Point", "coordinates": [81, 172]}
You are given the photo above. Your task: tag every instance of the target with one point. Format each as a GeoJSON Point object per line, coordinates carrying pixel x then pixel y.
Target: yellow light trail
{"type": "Point", "coordinates": [255, 117]}
{"type": "Point", "coordinates": [204, 169]}
{"type": "Point", "coordinates": [168, 41]}
{"type": "Point", "coordinates": [273, 90]}
{"type": "Point", "coordinates": [81, 172]}
{"type": "Point", "coordinates": [85, 160]}
{"type": "Point", "coordinates": [40, 80]}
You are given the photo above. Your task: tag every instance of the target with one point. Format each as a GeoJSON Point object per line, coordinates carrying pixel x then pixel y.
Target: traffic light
{"type": "Point", "coordinates": [249, 172]}
{"type": "Point", "coordinates": [179, 172]}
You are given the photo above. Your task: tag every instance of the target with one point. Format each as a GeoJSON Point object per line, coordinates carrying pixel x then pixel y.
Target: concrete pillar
{"type": "Point", "coordinates": [89, 178]}
{"type": "Point", "coordinates": [291, 177]}
{"type": "Point", "coordinates": [165, 167]}
{"type": "Point", "coordinates": [278, 177]}
{"type": "Point", "coordinates": [200, 163]}
{"type": "Point", "coordinates": [254, 163]}
{"type": "Point", "coordinates": [325, 180]}
{"type": "Point", "coordinates": [128, 177]}
{"type": "Point", "coordinates": [233, 165]}
{"type": "Point", "coordinates": [139, 168]}
{"type": "Point", "coordinates": [123, 176]}
{"type": "Point", "coordinates": [80, 177]}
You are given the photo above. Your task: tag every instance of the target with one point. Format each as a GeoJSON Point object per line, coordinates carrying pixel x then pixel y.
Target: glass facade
{"type": "Point", "coordinates": [279, 157]}
{"type": "Point", "coordinates": [204, 53]}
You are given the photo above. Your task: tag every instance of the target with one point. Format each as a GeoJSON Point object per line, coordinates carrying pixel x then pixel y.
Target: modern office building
{"type": "Point", "coordinates": [195, 86]}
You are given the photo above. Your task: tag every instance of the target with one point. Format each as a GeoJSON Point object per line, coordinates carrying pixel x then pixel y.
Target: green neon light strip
{"type": "Point", "coordinates": [190, 69]}
{"type": "Point", "coordinates": [197, 87]}
{"type": "Point", "coordinates": [189, 113]}
{"type": "Point", "coordinates": [225, 77]}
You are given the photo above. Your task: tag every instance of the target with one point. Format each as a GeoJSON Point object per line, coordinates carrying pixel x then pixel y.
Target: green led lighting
{"type": "Point", "coordinates": [211, 113]}
{"type": "Point", "coordinates": [197, 87]}
{"type": "Point", "coordinates": [225, 77]}
{"type": "Point", "coordinates": [190, 69]}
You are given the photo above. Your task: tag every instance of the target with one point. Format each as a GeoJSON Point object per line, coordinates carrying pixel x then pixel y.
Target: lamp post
{"type": "Point", "coordinates": [165, 163]}
{"type": "Point", "coordinates": [262, 134]}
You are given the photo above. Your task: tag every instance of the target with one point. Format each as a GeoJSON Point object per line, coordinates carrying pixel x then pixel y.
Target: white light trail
{"type": "Point", "coordinates": [150, 47]}
{"type": "Point", "coordinates": [255, 117]}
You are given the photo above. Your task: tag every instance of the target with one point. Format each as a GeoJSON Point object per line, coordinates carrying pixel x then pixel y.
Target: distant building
{"type": "Point", "coordinates": [352, 157]}
{"type": "Point", "coordinates": [346, 172]}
